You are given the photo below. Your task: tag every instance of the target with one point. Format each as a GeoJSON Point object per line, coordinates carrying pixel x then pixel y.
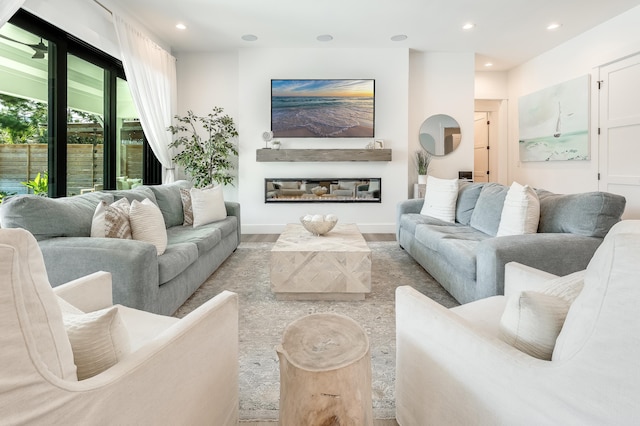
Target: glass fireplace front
{"type": "Point", "coordinates": [325, 190]}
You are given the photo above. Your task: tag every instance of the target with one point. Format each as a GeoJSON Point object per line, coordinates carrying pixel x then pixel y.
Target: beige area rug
{"type": "Point", "coordinates": [262, 320]}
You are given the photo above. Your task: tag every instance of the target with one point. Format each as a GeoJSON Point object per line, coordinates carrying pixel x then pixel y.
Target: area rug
{"type": "Point", "coordinates": [262, 320]}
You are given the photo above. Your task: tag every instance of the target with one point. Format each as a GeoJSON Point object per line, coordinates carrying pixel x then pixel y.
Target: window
{"type": "Point", "coordinates": [67, 121]}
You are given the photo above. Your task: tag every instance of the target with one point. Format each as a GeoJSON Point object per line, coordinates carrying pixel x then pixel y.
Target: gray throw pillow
{"type": "Point", "coordinates": [468, 194]}
{"type": "Point", "coordinates": [486, 215]}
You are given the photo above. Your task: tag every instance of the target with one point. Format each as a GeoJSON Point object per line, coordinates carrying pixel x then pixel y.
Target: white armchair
{"type": "Point", "coordinates": [453, 368]}
{"type": "Point", "coordinates": [178, 371]}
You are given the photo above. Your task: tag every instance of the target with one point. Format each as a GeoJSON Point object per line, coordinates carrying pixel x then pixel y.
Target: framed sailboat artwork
{"type": "Point", "coordinates": [553, 123]}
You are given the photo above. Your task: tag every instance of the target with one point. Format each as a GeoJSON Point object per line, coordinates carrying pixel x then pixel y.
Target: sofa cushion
{"type": "Point", "coordinates": [461, 254]}
{"type": "Point", "coordinates": [175, 259]}
{"type": "Point", "coordinates": [99, 340]}
{"type": "Point", "coordinates": [409, 221]}
{"type": "Point", "coordinates": [440, 198]}
{"type": "Point", "coordinates": [169, 200]}
{"type": "Point", "coordinates": [52, 217]}
{"type": "Point", "coordinates": [205, 237]}
{"type": "Point", "coordinates": [468, 194]}
{"type": "Point", "coordinates": [187, 207]}
{"type": "Point", "coordinates": [591, 214]}
{"type": "Point", "coordinates": [430, 235]}
{"type": "Point", "coordinates": [112, 221]}
{"type": "Point", "coordinates": [520, 212]}
{"type": "Point", "coordinates": [532, 320]}
{"type": "Point", "coordinates": [147, 224]}
{"type": "Point", "coordinates": [208, 205]}
{"type": "Point", "coordinates": [486, 214]}
{"type": "Point", "coordinates": [139, 193]}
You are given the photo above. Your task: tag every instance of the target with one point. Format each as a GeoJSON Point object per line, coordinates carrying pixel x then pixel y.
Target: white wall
{"type": "Point", "coordinates": [441, 83]}
{"type": "Point", "coordinates": [616, 38]}
{"type": "Point", "coordinates": [389, 68]}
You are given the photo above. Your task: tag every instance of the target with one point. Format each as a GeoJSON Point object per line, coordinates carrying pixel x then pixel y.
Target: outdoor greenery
{"type": "Point", "coordinates": [25, 121]}
{"type": "Point", "coordinates": [422, 160]}
{"type": "Point", "coordinates": [39, 185]}
{"type": "Point", "coordinates": [207, 159]}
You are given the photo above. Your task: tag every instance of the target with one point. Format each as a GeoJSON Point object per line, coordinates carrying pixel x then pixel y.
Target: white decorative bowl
{"type": "Point", "coordinates": [318, 227]}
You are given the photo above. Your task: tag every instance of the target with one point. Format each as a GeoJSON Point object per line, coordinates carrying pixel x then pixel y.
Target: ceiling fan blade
{"type": "Point", "coordinates": [39, 49]}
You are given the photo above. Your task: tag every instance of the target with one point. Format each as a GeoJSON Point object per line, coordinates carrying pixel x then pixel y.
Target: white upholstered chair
{"type": "Point", "coordinates": [176, 371]}
{"type": "Point", "coordinates": [454, 369]}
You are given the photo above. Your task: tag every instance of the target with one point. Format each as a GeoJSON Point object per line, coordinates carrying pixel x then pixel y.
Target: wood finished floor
{"type": "Point", "coordinates": [390, 422]}
{"type": "Point", "coordinates": [270, 238]}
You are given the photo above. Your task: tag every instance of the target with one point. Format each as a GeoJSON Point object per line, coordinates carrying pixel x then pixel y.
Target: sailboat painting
{"type": "Point", "coordinates": [554, 122]}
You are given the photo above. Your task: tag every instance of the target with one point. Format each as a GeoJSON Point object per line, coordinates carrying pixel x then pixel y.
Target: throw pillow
{"type": "Point", "coordinates": [532, 320]}
{"type": "Point", "coordinates": [98, 339]}
{"type": "Point", "coordinates": [520, 212]}
{"type": "Point", "coordinates": [187, 207]}
{"type": "Point", "coordinates": [111, 220]}
{"type": "Point", "coordinates": [208, 205]}
{"type": "Point", "coordinates": [147, 224]}
{"type": "Point", "coordinates": [440, 198]}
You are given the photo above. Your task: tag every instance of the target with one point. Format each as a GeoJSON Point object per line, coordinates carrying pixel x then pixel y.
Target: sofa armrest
{"type": "Point", "coordinates": [233, 209]}
{"type": "Point", "coordinates": [441, 359]}
{"type": "Point", "coordinates": [89, 293]}
{"type": "Point", "coordinates": [133, 265]}
{"type": "Point", "coordinates": [186, 375]}
{"type": "Point", "coordinates": [413, 205]}
{"type": "Point", "coordinates": [557, 253]}
{"type": "Point", "coordinates": [519, 277]}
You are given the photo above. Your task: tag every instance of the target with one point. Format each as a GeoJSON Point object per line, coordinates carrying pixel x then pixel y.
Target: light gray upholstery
{"type": "Point", "coordinates": [141, 278]}
{"type": "Point", "coordinates": [468, 260]}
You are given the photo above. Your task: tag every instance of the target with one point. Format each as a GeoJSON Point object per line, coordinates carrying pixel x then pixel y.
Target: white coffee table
{"type": "Point", "coordinates": [334, 266]}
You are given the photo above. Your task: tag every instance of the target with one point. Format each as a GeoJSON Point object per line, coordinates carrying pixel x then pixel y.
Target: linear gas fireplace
{"type": "Point", "coordinates": [325, 190]}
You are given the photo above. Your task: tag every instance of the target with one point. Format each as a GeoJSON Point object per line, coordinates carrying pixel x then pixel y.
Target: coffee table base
{"type": "Point", "coordinates": [338, 297]}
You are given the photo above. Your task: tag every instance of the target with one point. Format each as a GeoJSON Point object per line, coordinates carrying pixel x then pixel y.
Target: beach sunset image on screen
{"type": "Point", "coordinates": [322, 108]}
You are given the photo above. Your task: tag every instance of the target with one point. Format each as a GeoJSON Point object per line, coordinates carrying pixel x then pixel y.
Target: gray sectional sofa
{"type": "Point", "coordinates": [468, 260]}
{"type": "Point", "coordinates": [141, 278]}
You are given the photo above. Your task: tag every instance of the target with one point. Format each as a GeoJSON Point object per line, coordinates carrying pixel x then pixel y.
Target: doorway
{"type": "Point", "coordinates": [481, 147]}
{"type": "Point", "coordinates": [619, 128]}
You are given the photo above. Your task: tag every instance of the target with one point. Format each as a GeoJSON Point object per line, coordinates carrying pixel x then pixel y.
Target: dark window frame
{"type": "Point", "coordinates": [61, 45]}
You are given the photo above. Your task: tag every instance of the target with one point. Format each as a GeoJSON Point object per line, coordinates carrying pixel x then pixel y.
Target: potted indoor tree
{"type": "Point", "coordinates": [207, 159]}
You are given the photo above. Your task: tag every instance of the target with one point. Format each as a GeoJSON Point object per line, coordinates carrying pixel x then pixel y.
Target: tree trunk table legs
{"type": "Point", "coordinates": [325, 373]}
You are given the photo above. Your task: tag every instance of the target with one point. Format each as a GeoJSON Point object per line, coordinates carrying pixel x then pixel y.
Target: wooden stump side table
{"type": "Point", "coordinates": [325, 372]}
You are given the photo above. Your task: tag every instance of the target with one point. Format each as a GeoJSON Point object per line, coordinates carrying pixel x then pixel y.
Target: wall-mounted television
{"type": "Point", "coordinates": [337, 108]}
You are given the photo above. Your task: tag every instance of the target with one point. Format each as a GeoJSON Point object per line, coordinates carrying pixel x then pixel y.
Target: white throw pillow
{"type": "Point", "coordinates": [208, 205]}
{"type": "Point", "coordinates": [520, 212]}
{"type": "Point", "coordinates": [440, 199]}
{"type": "Point", "coordinates": [111, 221]}
{"type": "Point", "coordinates": [98, 339]}
{"type": "Point", "coordinates": [147, 224]}
{"type": "Point", "coordinates": [532, 320]}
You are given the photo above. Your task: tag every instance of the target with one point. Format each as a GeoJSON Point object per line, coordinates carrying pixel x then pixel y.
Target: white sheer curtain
{"type": "Point", "coordinates": [8, 8]}
{"type": "Point", "coordinates": [151, 74]}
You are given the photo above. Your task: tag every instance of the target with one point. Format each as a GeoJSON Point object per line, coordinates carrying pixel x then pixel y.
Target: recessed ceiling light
{"type": "Point", "coordinates": [553, 26]}
{"type": "Point", "coordinates": [468, 26]}
{"type": "Point", "coordinates": [181, 26]}
{"type": "Point", "coordinates": [249, 37]}
{"type": "Point", "coordinates": [488, 64]}
{"type": "Point", "coordinates": [325, 37]}
{"type": "Point", "coordinates": [399, 37]}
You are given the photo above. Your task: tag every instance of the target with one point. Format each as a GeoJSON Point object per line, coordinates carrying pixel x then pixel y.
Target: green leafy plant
{"type": "Point", "coordinates": [4, 194]}
{"type": "Point", "coordinates": [423, 160]}
{"type": "Point", "coordinates": [207, 159]}
{"type": "Point", "coordinates": [39, 185]}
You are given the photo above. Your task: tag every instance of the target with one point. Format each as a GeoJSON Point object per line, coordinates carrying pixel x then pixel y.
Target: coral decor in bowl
{"type": "Point", "coordinates": [318, 224]}
{"type": "Point", "coordinates": [319, 190]}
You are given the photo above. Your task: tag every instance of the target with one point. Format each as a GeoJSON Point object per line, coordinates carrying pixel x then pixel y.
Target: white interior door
{"type": "Point", "coordinates": [619, 141]}
{"type": "Point", "coordinates": [481, 147]}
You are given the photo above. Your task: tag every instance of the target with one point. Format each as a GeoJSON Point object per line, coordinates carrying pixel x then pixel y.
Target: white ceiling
{"type": "Point", "coordinates": [507, 32]}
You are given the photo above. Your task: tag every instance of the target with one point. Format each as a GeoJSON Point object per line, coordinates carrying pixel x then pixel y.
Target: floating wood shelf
{"type": "Point", "coordinates": [308, 155]}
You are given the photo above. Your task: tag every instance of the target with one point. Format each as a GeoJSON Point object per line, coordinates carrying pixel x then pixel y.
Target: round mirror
{"type": "Point", "coordinates": [440, 134]}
